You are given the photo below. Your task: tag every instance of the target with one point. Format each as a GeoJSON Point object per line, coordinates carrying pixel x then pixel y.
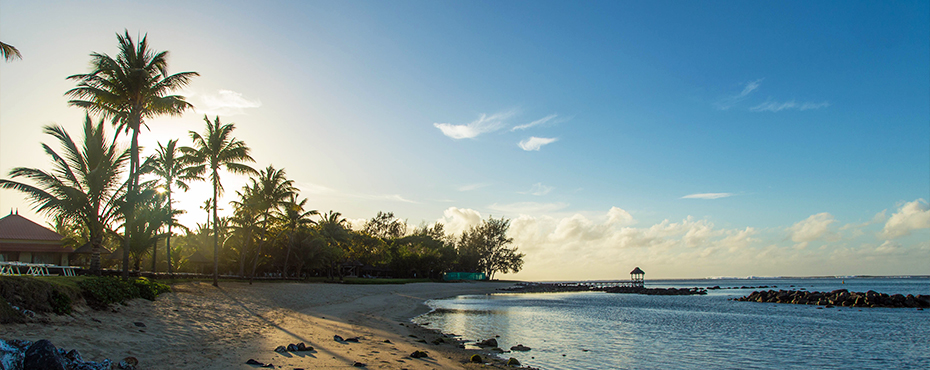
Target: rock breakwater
{"type": "Point", "coordinates": [841, 297]}
{"type": "Point", "coordinates": [576, 287]}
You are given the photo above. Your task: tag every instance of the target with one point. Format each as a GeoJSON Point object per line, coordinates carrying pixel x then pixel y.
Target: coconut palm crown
{"type": "Point", "coordinates": [172, 170]}
{"type": "Point", "coordinates": [214, 149]}
{"type": "Point", "coordinates": [129, 89]}
{"type": "Point", "coordinates": [84, 185]}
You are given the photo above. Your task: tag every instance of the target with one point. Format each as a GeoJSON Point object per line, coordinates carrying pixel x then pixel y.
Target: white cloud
{"type": "Point", "coordinates": [909, 217]}
{"type": "Point", "coordinates": [813, 228]}
{"type": "Point", "coordinates": [730, 101]}
{"type": "Point", "coordinates": [773, 106]}
{"type": "Point", "coordinates": [538, 189]}
{"type": "Point", "coordinates": [480, 126]}
{"type": "Point", "coordinates": [470, 187]}
{"type": "Point", "coordinates": [620, 217]}
{"type": "Point", "coordinates": [224, 103]}
{"type": "Point", "coordinates": [534, 143]}
{"type": "Point", "coordinates": [456, 220]}
{"type": "Point", "coordinates": [707, 196]}
{"type": "Point", "coordinates": [534, 123]}
{"type": "Point", "coordinates": [528, 207]}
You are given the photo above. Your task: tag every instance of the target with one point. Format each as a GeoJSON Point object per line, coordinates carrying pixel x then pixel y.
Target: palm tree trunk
{"type": "Point", "coordinates": [216, 237]}
{"type": "Point", "coordinates": [130, 195]}
{"type": "Point", "coordinates": [245, 252]}
{"type": "Point", "coordinates": [259, 252]}
{"type": "Point", "coordinates": [290, 239]}
{"type": "Point", "coordinates": [170, 222]}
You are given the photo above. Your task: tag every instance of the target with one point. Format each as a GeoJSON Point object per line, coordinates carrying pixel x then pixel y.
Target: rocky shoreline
{"type": "Point", "coordinates": [43, 355]}
{"type": "Point", "coordinates": [573, 287]}
{"type": "Point", "coordinates": [840, 297]}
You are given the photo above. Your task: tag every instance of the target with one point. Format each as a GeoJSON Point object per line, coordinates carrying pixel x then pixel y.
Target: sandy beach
{"type": "Point", "coordinates": [198, 326]}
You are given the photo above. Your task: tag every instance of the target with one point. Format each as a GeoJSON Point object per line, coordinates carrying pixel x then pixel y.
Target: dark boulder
{"type": "Point", "coordinates": [488, 343]}
{"type": "Point", "coordinates": [43, 355]}
{"type": "Point", "coordinates": [520, 348]}
{"type": "Point", "coordinates": [419, 354]}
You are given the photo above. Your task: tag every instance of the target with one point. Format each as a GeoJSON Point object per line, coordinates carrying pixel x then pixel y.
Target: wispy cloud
{"type": "Point", "coordinates": [707, 196]}
{"type": "Point", "coordinates": [535, 123]}
{"type": "Point", "coordinates": [324, 191]}
{"type": "Point", "coordinates": [774, 106]}
{"type": "Point", "coordinates": [224, 103]}
{"type": "Point", "coordinates": [538, 189]}
{"type": "Point", "coordinates": [470, 187]}
{"type": "Point", "coordinates": [730, 101]}
{"type": "Point", "coordinates": [482, 125]}
{"type": "Point", "coordinates": [528, 207]}
{"type": "Point", "coordinates": [534, 143]}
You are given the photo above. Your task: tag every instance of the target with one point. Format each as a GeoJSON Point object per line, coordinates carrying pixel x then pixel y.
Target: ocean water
{"type": "Point", "coordinates": [594, 330]}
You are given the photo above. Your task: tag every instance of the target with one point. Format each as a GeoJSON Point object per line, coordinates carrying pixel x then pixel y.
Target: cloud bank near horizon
{"type": "Point", "coordinates": [606, 246]}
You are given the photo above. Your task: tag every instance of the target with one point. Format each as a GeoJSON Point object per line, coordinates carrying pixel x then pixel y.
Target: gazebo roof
{"type": "Point", "coordinates": [16, 227]}
{"type": "Point", "coordinates": [198, 257]}
{"type": "Point", "coordinates": [637, 271]}
{"type": "Point", "coordinates": [87, 248]}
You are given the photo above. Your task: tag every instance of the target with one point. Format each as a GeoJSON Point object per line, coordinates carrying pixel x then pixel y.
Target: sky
{"type": "Point", "coordinates": [691, 139]}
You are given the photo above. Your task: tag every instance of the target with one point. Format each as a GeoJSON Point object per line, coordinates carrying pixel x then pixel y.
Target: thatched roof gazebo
{"type": "Point", "coordinates": [638, 276]}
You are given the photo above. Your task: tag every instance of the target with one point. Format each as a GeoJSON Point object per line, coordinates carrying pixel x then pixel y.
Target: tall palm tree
{"type": "Point", "coordinates": [84, 184]}
{"type": "Point", "coordinates": [293, 219]}
{"type": "Point", "coordinates": [272, 189]}
{"type": "Point", "coordinates": [244, 222]}
{"type": "Point", "coordinates": [172, 169]}
{"type": "Point", "coordinates": [214, 149]}
{"type": "Point", "coordinates": [9, 52]}
{"type": "Point", "coordinates": [130, 89]}
{"type": "Point", "coordinates": [332, 232]}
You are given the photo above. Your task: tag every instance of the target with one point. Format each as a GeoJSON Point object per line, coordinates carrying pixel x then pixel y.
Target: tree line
{"type": "Point", "coordinates": [102, 194]}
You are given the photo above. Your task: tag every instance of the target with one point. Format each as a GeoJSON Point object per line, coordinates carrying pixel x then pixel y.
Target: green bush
{"type": "Point", "coordinates": [101, 291]}
{"type": "Point", "coordinates": [149, 289]}
{"type": "Point", "coordinates": [61, 303]}
{"type": "Point", "coordinates": [105, 290]}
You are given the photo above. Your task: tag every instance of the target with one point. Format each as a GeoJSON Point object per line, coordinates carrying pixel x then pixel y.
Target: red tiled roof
{"type": "Point", "coordinates": [16, 227]}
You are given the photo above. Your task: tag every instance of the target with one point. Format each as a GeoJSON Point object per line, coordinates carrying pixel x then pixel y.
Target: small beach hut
{"type": "Point", "coordinates": [638, 277]}
{"type": "Point", "coordinates": [199, 262]}
{"type": "Point", "coordinates": [22, 240]}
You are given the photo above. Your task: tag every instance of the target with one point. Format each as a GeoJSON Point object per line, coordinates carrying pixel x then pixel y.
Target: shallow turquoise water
{"type": "Point", "coordinates": [628, 331]}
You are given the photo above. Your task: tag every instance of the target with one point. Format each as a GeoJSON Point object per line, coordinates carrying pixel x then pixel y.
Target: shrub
{"type": "Point", "coordinates": [61, 303]}
{"type": "Point", "coordinates": [101, 291]}
{"type": "Point", "coordinates": [149, 289]}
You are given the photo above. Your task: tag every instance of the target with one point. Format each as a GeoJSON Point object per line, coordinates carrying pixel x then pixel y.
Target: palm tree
{"type": "Point", "coordinates": [244, 221]}
{"type": "Point", "coordinates": [293, 219]}
{"type": "Point", "coordinates": [130, 89]}
{"type": "Point", "coordinates": [214, 149]}
{"type": "Point", "coordinates": [9, 52]}
{"type": "Point", "coordinates": [84, 185]}
{"type": "Point", "coordinates": [172, 170]}
{"type": "Point", "coordinates": [150, 218]}
{"type": "Point", "coordinates": [271, 189]}
{"type": "Point", "coordinates": [332, 232]}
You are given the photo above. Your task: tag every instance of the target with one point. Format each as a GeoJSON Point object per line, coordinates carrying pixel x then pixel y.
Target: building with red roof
{"type": "Point", "coordinates": [25, 241]}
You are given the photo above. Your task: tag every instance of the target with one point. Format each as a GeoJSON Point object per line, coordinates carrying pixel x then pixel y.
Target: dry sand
{"type": "Point", "coordinates": [198, 326]}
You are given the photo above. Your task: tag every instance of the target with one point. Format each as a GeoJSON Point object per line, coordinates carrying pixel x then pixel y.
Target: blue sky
{"type": "Point", "coordinates": [800, 130]}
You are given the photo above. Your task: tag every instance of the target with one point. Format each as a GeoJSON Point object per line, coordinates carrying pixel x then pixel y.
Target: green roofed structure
{"type": "Point", "coordinates": [453, 276]}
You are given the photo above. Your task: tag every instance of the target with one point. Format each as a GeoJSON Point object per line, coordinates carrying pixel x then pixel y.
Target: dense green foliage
{"type": "Point", "coordinates": [106, 290]}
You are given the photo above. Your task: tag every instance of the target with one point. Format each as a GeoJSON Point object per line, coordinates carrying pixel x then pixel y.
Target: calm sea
{"type": "Point", "coordinates": [629, 331]}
